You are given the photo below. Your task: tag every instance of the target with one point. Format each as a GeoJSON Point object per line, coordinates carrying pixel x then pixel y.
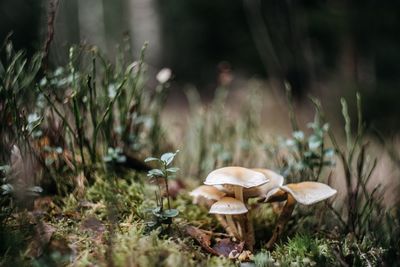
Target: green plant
{"type": "Point", "coordinates": [102, 104]}
{"type": "Point", "coordinates": [163, 173]}
{"type": "Point", "coordinates": [303, 157]}
{"type": "Point", "coordinates": [17, 78]}
{"type": "Point", "coordinates": [216, 138]}
{"type": "Point", "coordinates": [357, 252]}
{"type": "Point", "coordinates": [361, 206]}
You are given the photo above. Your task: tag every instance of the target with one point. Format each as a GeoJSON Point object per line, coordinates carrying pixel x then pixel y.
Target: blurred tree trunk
{"type": "Point", "coordinates": [144, 26]}
{"type": "Point", "coordinates": [91, 23]}
{"type": "Point", "coordinates": [66, 30]}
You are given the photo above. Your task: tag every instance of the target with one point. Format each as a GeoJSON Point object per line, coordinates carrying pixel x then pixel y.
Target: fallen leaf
{"type": "Point", "coordinates": [94, 225]}
{"type": "Point", "coordinates": [225, 246]}
{"type": "Point", "coordinates": [201, 237]}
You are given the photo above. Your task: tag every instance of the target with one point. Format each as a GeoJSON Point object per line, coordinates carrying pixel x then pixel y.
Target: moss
{"type": "Point", "coordinates": [264, 259]}
{"type": "Point", "coordinates": [145, 250]}
{"type": "Point", "coordinates": [304, 250]}
{"type": "Point", "coordinates": [194, 214]}
{"type": "Point", "coordinates": [362, 252]}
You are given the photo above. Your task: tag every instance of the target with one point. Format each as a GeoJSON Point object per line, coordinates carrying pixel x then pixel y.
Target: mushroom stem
{"type": "Point", "coordinates": [231, 226]}
{"type": "Point", "coordinates": [239, 196]}
{"type": "Point", "coordinates": [238, 193]}
{"type": "Point", "coordinates": [282, 220]}
{"type": "Point", "coordinates": [249, 231]}
{"type": "Point", "coordinates": [239, 226]}
{"type": "Point", "coordinates": [224, 224]}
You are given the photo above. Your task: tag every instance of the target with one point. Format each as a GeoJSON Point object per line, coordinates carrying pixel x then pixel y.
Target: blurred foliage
{"type": "Point", "coordinates": [301, 157]}
{"type": "Point", "coordinates": [215, 138]}
{"type": "Point", "coordinates": [353, 45]}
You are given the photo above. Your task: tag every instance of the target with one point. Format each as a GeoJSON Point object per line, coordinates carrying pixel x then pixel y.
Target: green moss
{"type": "Point", "coordinates": [264, 259]}
{"type": "Point", "coordinates": [193, 214]}
{"type": "Point", "coordinates": [304, 250]}
{"type": "Point", "coordinates": [364, 252]}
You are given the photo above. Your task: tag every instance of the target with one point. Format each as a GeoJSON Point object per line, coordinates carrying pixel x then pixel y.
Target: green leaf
{"type": "Point", "coordinates": [314, 142]}
{"type": "Point", "coordinates": [151, 159]}
{"type": "Point", "coordinates": [171, 213]}
{"type": "Point", "coordinates": [155, 172]}
{"type": "Point", "coordinates": [121, 159]}
{"type": "Point", "coordinates": [107, 159]}
{"type": "Point", "coordinates": [290, 142]}
{"type": "Point", "coordinates": [7, 189]}
{"type": "Point", "coordinates": [298, 135]}
{"type": "Point", "coordinates": [5, 169]}
{"type": "Point", "coordinates": [59, 150]}
{"type": "Point", "coordinates": [330, 152]}
{"type": "Point", "coordinates": [48, 161]}
{"type": "Point", "coordinates": [34, 191]}
{"type": "Point", "coordinates": [168, 157]}
{"type": "Point", "coordinates": [172, 170]}
{"type": "Point", "coordinates": [151, 224]}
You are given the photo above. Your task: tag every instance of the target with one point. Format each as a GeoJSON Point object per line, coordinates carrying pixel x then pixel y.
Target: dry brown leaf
{"type": "Point", "coordinates": [93, 224]}
{"type": "Point", "coordinates": [225, 246]}
{"type": "Point", "coordinates": [201, 237]}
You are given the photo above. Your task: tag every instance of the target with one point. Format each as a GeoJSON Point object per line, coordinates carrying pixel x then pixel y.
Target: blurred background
{"type": "Point", "coordinates": [324, 48]}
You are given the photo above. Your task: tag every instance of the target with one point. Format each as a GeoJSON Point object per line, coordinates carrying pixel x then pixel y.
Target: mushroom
{"type": "Point", "coordinates": [275, 181]}
{"type": "Point", "coordinates": [306, 193]}
{"type": "Point", "coordinates": [240, 182]}
{"type": "Point", "coordinates": [207, 192]}
{"type": "Point", "coordinates": [229, 206]}
{"type": "Point", "coordinates": [263, 190]}
{"type": "Point", "coordinates": [207, 195]}
{"type": "Point", "coordinates": [235, 179]}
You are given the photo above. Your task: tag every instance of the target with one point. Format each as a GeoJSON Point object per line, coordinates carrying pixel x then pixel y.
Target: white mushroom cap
{"type": "Point", "coordinates": [206, 191]}
{"type": "Point", "coordinates": [275, 181]}
{"type": "Point", "coordinates": [308, 193]}
{"type": "Point", "coordinates": [238, 176]}
{"type": "Point", "coordinates": [228, 206]}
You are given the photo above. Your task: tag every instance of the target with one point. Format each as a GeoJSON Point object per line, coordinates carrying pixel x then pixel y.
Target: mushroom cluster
{"type": "Point", "coordinates": [227, 190]}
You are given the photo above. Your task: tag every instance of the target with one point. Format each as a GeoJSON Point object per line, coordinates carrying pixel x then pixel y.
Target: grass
{"type": "Point", "coordinates": [74, 185]}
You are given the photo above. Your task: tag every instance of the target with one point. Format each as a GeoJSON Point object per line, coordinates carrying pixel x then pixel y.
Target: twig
{"type": "Point", "coordinates": [53, 6]}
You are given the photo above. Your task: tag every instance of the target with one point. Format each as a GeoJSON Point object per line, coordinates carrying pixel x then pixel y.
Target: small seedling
{"type": "Point", "coordinates": [161, 175]}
